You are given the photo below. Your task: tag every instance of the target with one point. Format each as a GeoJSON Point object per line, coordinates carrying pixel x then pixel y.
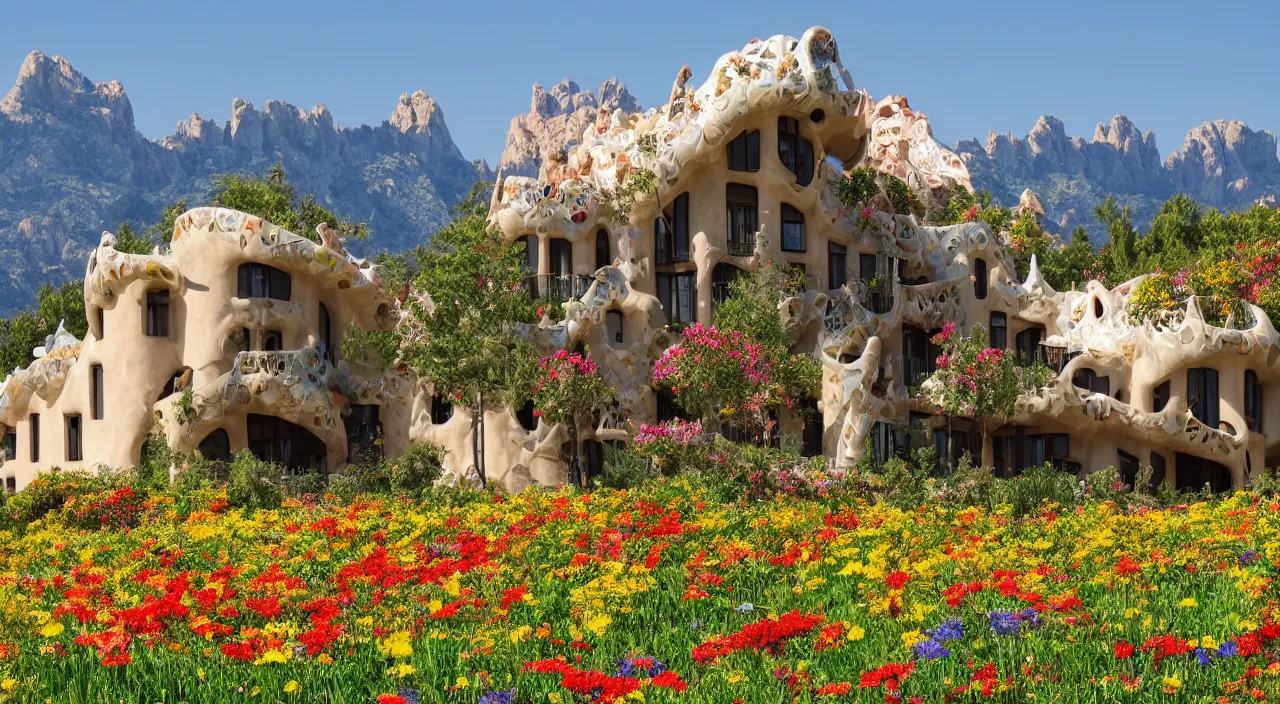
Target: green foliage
{"type": "Point", "coordinates": [381, 348]}
{"type": "Point", "coordinates": [27, 330]}
{"type": "Point", "coordinates": [130, 242]}
{"type": "Point", "coordinates": [639, 182]}
{"type": "Point", "coordinates": [568, 389]}
{"type": "Point", "coordinates": [624, 468]}
{"type": "Point", "coordinates": [1028, 492]}
{"type": "Point", "coordinates": [1072, 264]}
{"type": "Point", "coordinates": [276, 200]}
{"type": "Point", "coordinates": [415, 473]}
{"type": "Point", "coordinates": [469, 343]}
{"type": "Point", "coordinates": [162, 231]}
{"type": "Point", "coordinates": [155, 460]}
{"type": "Point", "coordinates": [47, 493]}
{"type": "Point", "coordinates": [900, 195]}
{"type": "Point", "coordinates": [857, 187]}
{"type": "Point", "coordinates": [254, 484]}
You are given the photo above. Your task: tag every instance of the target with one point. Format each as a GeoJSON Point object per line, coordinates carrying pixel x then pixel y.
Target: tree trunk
{"type": "Point", "coordinates": [575, 469]}
{"type": "Point", "coordinates": [950, 444]}
{"type": "Point", "coordinates": [477, 438]}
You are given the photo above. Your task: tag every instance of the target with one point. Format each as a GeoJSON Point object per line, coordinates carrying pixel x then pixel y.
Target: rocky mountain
{"type": "Point", "coordinates": [72, 164]}
{"type": "Point", "coordinates": [556, 120]}
{"type": "Point", "coordinates": [1223, 164]}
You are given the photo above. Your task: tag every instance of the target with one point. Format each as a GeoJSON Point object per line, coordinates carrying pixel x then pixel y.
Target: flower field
{"type": "Point", "coordinates": [656, 595]}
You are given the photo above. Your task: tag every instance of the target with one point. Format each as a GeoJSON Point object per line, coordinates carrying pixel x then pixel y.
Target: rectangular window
{"type": "Point", "coordinates": [837, 265]}
{"type": "Point", "coordinates": [744, 152]}
{"type": "Point", "coordinates": [1202, 395]}
{"type": "Point", "coordinates": [1253, 401]}
{"type": "Point", "coordinates": [561, 256]}
{"type": "Point", "coordinates": [96, 392]}
{"type": "Point", "coordinates": [999, 334]}
{"type": "Point", "coordinates": [793, 239]}
{"type": "Point", "coordinates": [75, 442]}
{"type": "Point", "coordinates": [262, 281]}
{"type": "Point", "coordinates": [795, 152]}
{"type": "Point", "coordinates": [34, 421]}
{"type": "Point", "coordinates": [1128, 467]}
{"type": "Point", "coordinates": [326, 335]}
{"type": "Point", "coordinates": [11, 485]}
{"type": "Point", "coordinates": [919, 354]}
{"type": "Point", "coordinates": [158, 313]}
{"type": "Point", "coordinates": [10, 445]}
{"type": "Point", "coordinates": [1028, 343]}
{"type": "Point", "coordinates": [677, 293]}
{"type": "Point", "coordinates": [741, 219]}
{"type": "Point", "coordinates": [102, 324]}
{"type": "Point", "coordinates": [671, 232]}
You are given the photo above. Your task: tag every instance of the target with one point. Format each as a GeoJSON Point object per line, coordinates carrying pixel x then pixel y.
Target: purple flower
{"type": "Point", "coordinates": [951, 629]}
{"type": "Point", "coordinates": [1228, 649]}
{"type": "Point", "coordinates": [1249, 557]}
{"type": "Point", "coordinates": [930, 650]}
{"type": "Point", "coordinates": [1202, 657]}
{"type": "Point", "coordinates": [1004, 623]}
{"type": "Point", "coordinates": [497, 697]}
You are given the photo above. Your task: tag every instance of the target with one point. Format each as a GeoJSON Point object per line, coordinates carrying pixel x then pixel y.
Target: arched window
{"type": "Point", "coordinates": [603, 256]}
{"type": "Point", "coordinates": [1097, 307]}
{"type": "Point", "coordinates": [795, 152]}
{"type": "Point", "coordinates": [326, 341]}
{"type": "Point", "coordinates": [262, 281]}
{"type": "Point", "coordinates": [528, 421]}
{"type": "Point", "coordinates": [671, 232]}
{"type": "Point", "coordinates": [441, 409]}
{"type": "Point", "coordinates": [980, 278]}
{"type": "Point", "coordinates": [1089, 380]}
{"type": "Point", "coordinates": [614, 327]}
{"type": "Point", "coordinates": [1202, 395]}
{"type": "Point", "coordinates": [216, 446]}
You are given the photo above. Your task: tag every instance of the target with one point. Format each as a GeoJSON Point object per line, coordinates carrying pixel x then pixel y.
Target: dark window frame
{"type": "Point", "coordinates": [258, 280]}
{"type": "Point", "coordinates": [1160, 395]}
{"type": "Point", "coordinates": [1254, 402]}
{"type": "Point", "coordinates": [741, 218]}
{"type": "Point", "coordinates": [837, 276]}
{"type": "Point", "coordinates": [615, 327]}
{"type": "Point", "coordinates": [603, 247]}
{"type": "Point", "coordinates": [980, 277]}
{"type": "Point", "coordinates": [326, 334]}
{"type": "Point", "coordinates": [742, 153]}
{"type": "Point", "coordinates": [792, 217]}
{"type": "Point", "coordinates": [97, 392]}
{"type": "Point", "coordinates": [794, 151]}
{"type": "Point", "coordinates": [74, 426]}
{"type": "Point", "coordinates": [998, 340]}
{"type": "Point", "coordinates": [33, 449]}
{"type": "Point", "coordinates": [671, 233]}
{"type": "Point", "coordinates": [1203, 396]}
{"type": "Point", "coordinates": [669, 290]}
{"type": "Point", "coordinates": [157, 318]}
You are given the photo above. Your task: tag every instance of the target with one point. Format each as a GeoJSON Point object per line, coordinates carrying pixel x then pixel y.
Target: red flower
{"type": "Point", "coordinates": [1124, 650]}
{"type": "Point", "coordinates": [767, 635]}
{"type": "Point", "coordinates": [897, 580]}
{"type": "Point", "coordinates": [391, 699]}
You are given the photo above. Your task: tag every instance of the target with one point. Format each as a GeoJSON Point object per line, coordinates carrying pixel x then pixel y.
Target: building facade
{"type": "Point", "coordinates": [230, 339]}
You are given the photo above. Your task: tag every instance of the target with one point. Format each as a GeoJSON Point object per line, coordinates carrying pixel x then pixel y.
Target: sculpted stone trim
{"type": "Point", "coordinates": [109, 271]}
{"type": "Point", "coordinates": [44, 377]}
{"type": "Point", "coordinates": [262, 241]}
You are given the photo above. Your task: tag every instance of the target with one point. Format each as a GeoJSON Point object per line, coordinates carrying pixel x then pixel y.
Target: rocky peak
{"type": "Point", "coordinates": [557, 118]}
{"type": "Point", "coordinates": [1225, 159]}
{"type": "Point", "coordinates": [417, 112]}
{"type": "Point", "coordinates": [51, 85]}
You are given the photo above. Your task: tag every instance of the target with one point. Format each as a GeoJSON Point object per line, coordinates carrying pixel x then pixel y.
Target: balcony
{"type": "Point", "coordinates": [558, 287]}
{"type": "Point", "coordinates": [742, 244]}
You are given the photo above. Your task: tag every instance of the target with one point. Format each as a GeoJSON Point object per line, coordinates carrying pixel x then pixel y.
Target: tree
{"type": "Point", "coordinates": [570, 390]}
{"type": "Point", "coordinates": [467, 316]}
{"type": "Point", "coordinates": [129, 241]}
{"type": "Point", "coordinates": [1120, 255]}
{"type": "Point", "coordinates": [978, 382]}
{"type": "Point", "coordinates": [1073, 264]}
{"type": "Point", "coordinates": [27, 330]}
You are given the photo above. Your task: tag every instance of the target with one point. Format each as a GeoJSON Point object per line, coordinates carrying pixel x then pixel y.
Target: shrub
{"type": "Point", "coordinates": [305, 485]}
{"type": "Point", "coordinates": [49, 492]}
{"type": "Point", "coordinates": [624, 468]}
{"type": "Point", "coordinates": [1036, 486]}
{"type": "Point", "coordinates": [417, 471]}
{"type": "Point", "coordinates": [254, 484]}
{"type": "Point", "coordinates": [110, 509]}
{"type": "Point", "coordinates": [155, 460]}
{"type": "Point", "coordinates": [366, 473]}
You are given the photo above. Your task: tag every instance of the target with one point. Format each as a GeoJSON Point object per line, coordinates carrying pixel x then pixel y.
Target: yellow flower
{"type": "Point", "coordinates": [292, 687]}
{"type": "Point", "coordinates": [274, 656]}
{"type": "Point", "coordinates": [9, 685]}
{"type": "Point", "coordinates": [520, 633]}
{"type": "Point", "coordinates": [598, 624]}
{"type": "Point", "coordinates": [396, 645]}
{"type": "Point", "coordinates": [554, 698]}
{"type": "Point", "coordinates": [402, 670]}
{"type": "Point", "coordinates": [1208, 643]}
{"type": "Point", "coordinates": [462, 683]}
{"type": "Point", "coordinates": [1188, 603]}
{"type": "Point", "coordinates": [910, 638]}
{"type": "Point", "coordinates": [1172, 685]}
{"type": "Point", "coordinates": [856, 633]}
{"type": "Point", "coordinates": [52, 630]}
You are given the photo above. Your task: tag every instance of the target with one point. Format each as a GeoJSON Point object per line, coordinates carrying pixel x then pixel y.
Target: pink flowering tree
{"type": "Point", "coordinates": [676, 446]}
{"type": "Point", "coordinates": [568, 389]}
{"type": "Point", "coordinates": [724, 377]}
{"type": "Point", "coordinates": [978, 382]}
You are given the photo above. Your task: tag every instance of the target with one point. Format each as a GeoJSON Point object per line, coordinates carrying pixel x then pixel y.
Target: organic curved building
{"type": "Point", "coordinates": [639, 228]}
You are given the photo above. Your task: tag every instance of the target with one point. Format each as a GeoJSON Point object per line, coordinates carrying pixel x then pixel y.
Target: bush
{"type": "Point", "coordinates": [254, 484]}
{"type": "Point", "coordinates": [417, 471]}
{"type": "Point", "coordinates": [306, 485]}
{"type": "Point", "coordinates": [1036, 486]}
{"type": "Point", "coordinates": [49, 492]}
{"type": "Point", "coordinates": [110, 509]}
{"type": "Point", "coordinates": [154, 461]}
{"type": "Point", "coordinates": [366, 473]}
{"type": "Point", "coordinates": [624, 468]}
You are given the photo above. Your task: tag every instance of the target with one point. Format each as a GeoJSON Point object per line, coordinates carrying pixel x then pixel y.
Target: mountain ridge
{"type": "Point", "coordinates": [72, 163]}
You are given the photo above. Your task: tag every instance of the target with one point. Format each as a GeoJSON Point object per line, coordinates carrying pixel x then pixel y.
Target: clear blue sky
{"type": "Point", "coordinates": [971, 66]}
